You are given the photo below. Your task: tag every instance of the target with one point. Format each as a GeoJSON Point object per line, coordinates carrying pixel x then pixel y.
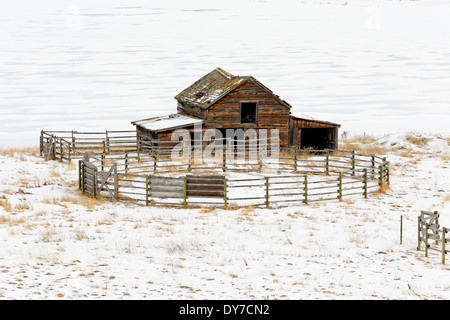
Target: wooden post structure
{"type": "Point", "coordinates": [306, 189]}
{"type": "Point", "coordinates": [295, 158]}
{"type": "Point", "coordinates": [267, 191]}
{"type": "Point", "coordinates": [381, 177]}
{"type": "Point", "coordinates": [353, 163]}
{"type": "Point", "coordinates": [61, 150]}
{"type": "Point", "coordinates": [327, 163]}
{"type": "Point", "coordinates": [79, 174]}
{"type": "Point", "coordinates": [340, 186]}
{"type": "Point", "coordinates": [184, 192]}
{"type": "Point", "coordinates": [41, 143]}
{"type": "Point", "coordinates": [388, 168]}
{"type": "Point", "coordinates": [418, 233]}
{"type": "Point", "coordinates": [401, 229]}
{"type": "Point", "coordinates": [444, 231]}
{"type": "Point", "coordinates": [225, 192]}
{"type": "Point", "coordinates": [224, 160]}
{"type": "Point", "coordinates": [146, 190]}
{"type": "Point", "coordinates": [116, 185]}
{"type": "Point", "coordinates": [426, 240]}
{"type": "Point", "coordinates": [365, 183]}
{"type": "Point", "coordinates": [373, 166]}
{"type": "Point", "coordinates": [94, 183]}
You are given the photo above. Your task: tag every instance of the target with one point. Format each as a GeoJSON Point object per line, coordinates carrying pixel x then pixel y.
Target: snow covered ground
{"type": "Point", "coordinates": [58, 244]}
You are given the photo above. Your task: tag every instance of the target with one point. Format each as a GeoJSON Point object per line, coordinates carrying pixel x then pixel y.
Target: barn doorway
{"type": "Point", "coordinates": [318, 138]}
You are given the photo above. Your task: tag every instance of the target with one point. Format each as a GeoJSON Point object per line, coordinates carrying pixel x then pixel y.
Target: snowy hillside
{"type": "Point", "coordinates": [57, 243]}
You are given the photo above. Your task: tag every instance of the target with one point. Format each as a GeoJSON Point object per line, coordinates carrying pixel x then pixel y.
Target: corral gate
{"type": "Point", "coordinates": [205, 186]}
{"type": "Point", "coordinates": [93, 181]}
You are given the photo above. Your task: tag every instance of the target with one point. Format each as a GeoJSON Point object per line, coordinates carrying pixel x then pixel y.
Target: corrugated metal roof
{"type": "Point", "coordinates": [167, 122]}
{"type": "Point", "coordinates": [210, 88]}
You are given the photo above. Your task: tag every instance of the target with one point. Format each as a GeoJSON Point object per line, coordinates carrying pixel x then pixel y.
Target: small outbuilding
{"type": "Point", "coordinates": [220, 100]}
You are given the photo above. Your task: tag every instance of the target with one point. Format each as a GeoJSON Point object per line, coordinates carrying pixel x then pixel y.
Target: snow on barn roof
{"type": "Point", "coordinates": [167, 122]}
{"type": "Point", "coordinates": [210, 88]}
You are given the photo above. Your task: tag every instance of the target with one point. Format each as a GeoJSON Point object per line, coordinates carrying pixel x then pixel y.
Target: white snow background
{"type": "Point", "coordinates": [376, 67]}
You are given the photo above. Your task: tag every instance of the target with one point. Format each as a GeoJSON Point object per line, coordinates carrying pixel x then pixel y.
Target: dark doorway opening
{"type": "Point", "coordinates": [318, 138]}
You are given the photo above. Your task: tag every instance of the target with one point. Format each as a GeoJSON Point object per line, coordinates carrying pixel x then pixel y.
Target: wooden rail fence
{"type": "Point", "coordinates": [276, 190]}
{"type": "Point", "coordinates": [431, 235]}
{"type": "Point", "coordinates": [122, 166]}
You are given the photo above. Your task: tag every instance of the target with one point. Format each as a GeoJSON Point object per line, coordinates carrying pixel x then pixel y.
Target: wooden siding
{"type": "Point", "coordinates": [226, 113]}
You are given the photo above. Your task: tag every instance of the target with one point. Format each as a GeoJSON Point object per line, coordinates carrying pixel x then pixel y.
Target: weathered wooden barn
{"type": "Point", "coordinates": [220, 100]}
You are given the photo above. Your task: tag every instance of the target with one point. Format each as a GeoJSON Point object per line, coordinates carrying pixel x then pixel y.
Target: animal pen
{"type": "Point", "coordinates": [115, 165]}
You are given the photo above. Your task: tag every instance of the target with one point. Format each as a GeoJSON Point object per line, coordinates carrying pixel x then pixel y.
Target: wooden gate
{"type": "Point", "coordinates": [205, 186]}
{"type": "Point", "coordinates": [93, 182]}
{"type": "Point", "coordinates": [428, 226]}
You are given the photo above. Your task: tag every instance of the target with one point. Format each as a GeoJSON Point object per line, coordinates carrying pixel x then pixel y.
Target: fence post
{"type": "Point", "coordinates": [79, 174]}
{"type": "Point", "coordinates": [340, 186]}
{"type": "Point", "coordinates": [388, 168]}
{"type": "Point", "coordinates": [61, 150]}
{"type": "Point", "coordinates": [306, 189]}
{"type": "Point", "coordinates": [146, 190]}
{"type": "Point", "coordinates": [353, 163]}
{"type": "Point", "coordinates": [41, 143]}
{"type": "Point", "coordinates": [184, 192]}
{"type": "Point", "coordinates": [190, 159]}
{"type": "Point", "coordinates": [126, 162]}
{"type": "Point", "coordinates": [106, 143]}
{"type": "Point", "coordinates": [418, 233]}
{"type": "Point", "coordinates": [365, 183]}
{"type": "Point", "coordinates": [224, 160]}
{"type": "Point", "coordinates": [94, 183]}
{"type": "Point", "coordinates": [381, 177]}
{"type": "Point", "coordinates": [295, 158]}
{"type": "Point", "coordinates": [373, 166]}
{"type": "Point", "coordinates": [401, 229]}
{"type": "Point", "coordinates": [327, 164]}
{"type": "Point", "coordinates": [116, 185]}
{"type": "Point", "coordinates": [225, 192]}
{"type": "Point", "coordinates": [444, 231]}
{"type": "Point", "coordinates": [267, 191]}
{"type": "Point", "coordinates": [426, 240]}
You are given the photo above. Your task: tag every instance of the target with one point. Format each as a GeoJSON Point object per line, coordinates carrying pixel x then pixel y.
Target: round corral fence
{"type": "Point", "coordinates": [273, 178]}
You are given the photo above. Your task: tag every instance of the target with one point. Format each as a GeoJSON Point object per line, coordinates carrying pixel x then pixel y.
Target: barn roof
{"type": "Point", "coordinates": [167, 122]}
{"type": "Point", "coordinates": [210, 88]}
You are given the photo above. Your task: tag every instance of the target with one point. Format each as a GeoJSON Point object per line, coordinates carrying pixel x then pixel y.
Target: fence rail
{"type": "Point", "coordinates": [266, 191]}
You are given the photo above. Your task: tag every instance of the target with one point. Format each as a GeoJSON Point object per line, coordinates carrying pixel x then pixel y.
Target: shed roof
{"type": "Point", "coordinates": [167, 122]}
{"type": "Point", "coordinates": [311, 119]}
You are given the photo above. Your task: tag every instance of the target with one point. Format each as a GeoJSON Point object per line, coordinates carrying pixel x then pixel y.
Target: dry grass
{"type": "Point", "coordinates": [6, 205]}
{"type": "Point", "coordinates": [417, 139]}
{"type": "Point", "coordinates": [363, 144]}
{"type": "Point", "coordinates": [23, 151]}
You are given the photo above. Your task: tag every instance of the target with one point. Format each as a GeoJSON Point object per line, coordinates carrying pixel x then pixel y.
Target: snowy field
{"type": "Point", "coordinates": [59, 244]}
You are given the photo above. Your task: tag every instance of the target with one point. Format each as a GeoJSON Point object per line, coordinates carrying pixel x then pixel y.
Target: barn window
{"type": "Point", "coordinates": [248, 112]}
